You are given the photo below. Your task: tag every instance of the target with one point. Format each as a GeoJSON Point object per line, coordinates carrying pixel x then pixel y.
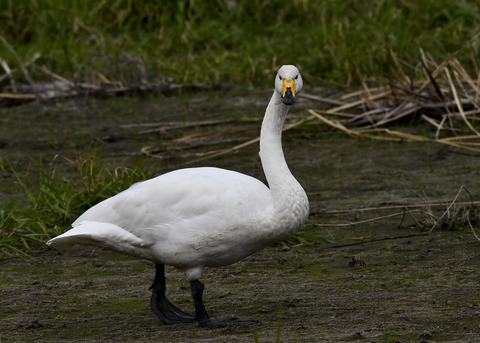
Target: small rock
{"type": "Point", "coordinates": [426, 335]}
{"type": "Point", "coordinates": [357, 260]}
{"type": "Point", "coordinates": [35, 325]}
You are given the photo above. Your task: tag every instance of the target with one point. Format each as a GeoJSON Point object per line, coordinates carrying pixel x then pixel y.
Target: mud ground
{"type": "Point", "coordinates": [416, 286]}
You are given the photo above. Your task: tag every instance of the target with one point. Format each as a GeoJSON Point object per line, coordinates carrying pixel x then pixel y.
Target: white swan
{"type": "Point", "coordinates": [203, 217]}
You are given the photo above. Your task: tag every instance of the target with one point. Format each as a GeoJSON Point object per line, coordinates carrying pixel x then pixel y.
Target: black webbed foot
{"type": "Point", "coordinates": [201, 315]}
{"type": "Point", "coordinates": [167, 312]}
{"type": "Point", "coordinates": [161, 306]}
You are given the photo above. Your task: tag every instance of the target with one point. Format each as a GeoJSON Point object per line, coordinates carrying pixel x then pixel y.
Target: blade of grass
{"type": "Point", "coordinates": [459, 106]}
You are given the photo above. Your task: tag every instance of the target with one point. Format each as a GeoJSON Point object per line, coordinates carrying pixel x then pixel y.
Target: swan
{"type": "Point", "coordinates": [203, 217]}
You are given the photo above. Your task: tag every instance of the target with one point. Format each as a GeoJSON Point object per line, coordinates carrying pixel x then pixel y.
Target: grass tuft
{"type": "Point", "coordinates": [309, 235]}
{"type": "Point", "coordinates": [53, 202]}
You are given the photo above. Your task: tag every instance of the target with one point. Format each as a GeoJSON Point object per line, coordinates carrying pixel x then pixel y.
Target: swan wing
{"type": "Point", "coordinates": [181, 195]}
{"type": "Point", "coordinates": [201, 212]}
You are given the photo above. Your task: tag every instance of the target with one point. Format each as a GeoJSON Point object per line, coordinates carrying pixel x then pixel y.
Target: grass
{"type": "Point", "coordinates": [244, 42]}
{"type": "Point", "coordinates": [391, 339]}
{"type": "Point", "coordinates": [53, 202]}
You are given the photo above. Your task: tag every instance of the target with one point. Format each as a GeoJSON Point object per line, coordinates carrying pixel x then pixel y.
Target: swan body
{"type": "Point", "coordinates": [189, 218]}
{"type": "Point", "coordinates": [204, 217]}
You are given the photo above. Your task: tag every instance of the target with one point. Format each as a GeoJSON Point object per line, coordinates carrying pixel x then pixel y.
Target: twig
{"type": "Point", "coordinates": [374, 240]}
{"type": "Point", "coordinates": [357, 103]}
{"type": "Point", "coordinates": [399, 68]}
{"type": "Point", "coordinates": [339, 114]}
{"type": "Point", "coordinates": [184, 125]}
{"type": "Point", "coordinates": [247, 143]}
{"type": "Point", "coordinates": [177, 124]}
{"type": "Point", "coordinates": [361, 92]}
{"type": "Point", "coordinates": [57, 77]}
{"type": "Point", "coordinates": [430, 77]}
{"type": "Point", "coordinates": [412, 216]}
{"type": "Point", "coordinates": [20, 63]}
{"type": "Point", "coordinates": [413, 108]}
{"type": "Point", "coordinates": [437, 133]}
{"type": "Point", "coordinates": [459, 106]}
{"type": "Point", "coordinates": [365, 221]}
{"type": "Point", "coordinates": [18, 96]}
{"type": "Point", "coordinates": [392, 207]}
{"type": "Point", "coordinates": [473, 230]}
{"type": "Point", "coordinates": [458, 67]}
{"type": "Point", "coordinates": [8, 73]}
{"type": "Point", "coordinates": [368, 114]}
{"type": "Point", "coordinates": [321, 99]}
{"type": "Point", "coordinates": [451, 204]}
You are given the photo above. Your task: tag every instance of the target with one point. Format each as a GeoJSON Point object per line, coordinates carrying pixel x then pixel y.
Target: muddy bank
{"type": "Point", "coordinates": [410, 288]}
{"type": "Point", "coordinates": [423, 287]}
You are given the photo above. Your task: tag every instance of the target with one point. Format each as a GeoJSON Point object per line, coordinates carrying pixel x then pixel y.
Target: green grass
{"type": "Point", "coordinates": [391, 339]}
{"type": "Point", "coordinates": [311, 233]}
{"type": "Point", "coordinates": [53, 202]}
{"type": "Point", "coordinates": [241, 41]}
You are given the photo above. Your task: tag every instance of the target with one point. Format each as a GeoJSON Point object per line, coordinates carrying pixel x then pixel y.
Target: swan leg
{"type": "Point", "coordinates": [201, 315]}
{"type": "Point", "coordinates": [161, 306]}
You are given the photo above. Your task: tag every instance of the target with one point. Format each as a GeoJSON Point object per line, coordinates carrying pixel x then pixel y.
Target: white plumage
{"type": "Point", "coordinates": [204, 217]}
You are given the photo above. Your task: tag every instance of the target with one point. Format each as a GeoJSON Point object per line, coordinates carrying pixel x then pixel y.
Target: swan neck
{"type": "Point", "coordinates": [289, 200]}
{"type": "Point", "coordinates": [271, 153]}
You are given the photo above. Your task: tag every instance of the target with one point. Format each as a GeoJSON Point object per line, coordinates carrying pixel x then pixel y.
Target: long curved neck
{"type": "Point", "coordinates": [280, 180]}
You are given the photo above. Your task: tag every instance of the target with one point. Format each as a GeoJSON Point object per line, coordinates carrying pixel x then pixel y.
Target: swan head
{"type": "Point", "coordinates": [288, 83]}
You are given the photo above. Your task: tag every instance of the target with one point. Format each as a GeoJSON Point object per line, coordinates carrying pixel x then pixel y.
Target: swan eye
{"type": "Point", "coordinates": [296, 77]}
{"type": "Point", "coordinates": [279, 77]}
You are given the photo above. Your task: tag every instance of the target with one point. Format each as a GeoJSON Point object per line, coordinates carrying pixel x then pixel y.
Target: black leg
{"type": "Point", "coordinates": [164, 309]}
{"type": "Point", "coordinates": [201, 315]}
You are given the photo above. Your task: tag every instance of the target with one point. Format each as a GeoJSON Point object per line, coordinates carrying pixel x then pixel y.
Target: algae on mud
{"type": "Point", "coordinates": [409, 286]}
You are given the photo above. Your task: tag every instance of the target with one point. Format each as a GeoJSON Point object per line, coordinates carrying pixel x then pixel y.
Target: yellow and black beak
{"type": "Point", "coordinates": [288, 92]}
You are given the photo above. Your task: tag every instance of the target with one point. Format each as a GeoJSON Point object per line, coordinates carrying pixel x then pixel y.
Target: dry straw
{"type": "Point", "coordinates": [450, 104]}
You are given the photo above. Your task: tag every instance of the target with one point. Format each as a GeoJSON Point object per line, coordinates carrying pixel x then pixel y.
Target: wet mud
{"type": "Point", "coordinates": [415, 286]}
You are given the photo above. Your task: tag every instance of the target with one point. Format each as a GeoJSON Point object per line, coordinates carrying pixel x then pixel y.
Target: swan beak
{"type": "Point", "coordinates": [288, 92]}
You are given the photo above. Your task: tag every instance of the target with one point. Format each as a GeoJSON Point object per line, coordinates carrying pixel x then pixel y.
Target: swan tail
{"type": "Point", "coordinates": [105, 235]}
